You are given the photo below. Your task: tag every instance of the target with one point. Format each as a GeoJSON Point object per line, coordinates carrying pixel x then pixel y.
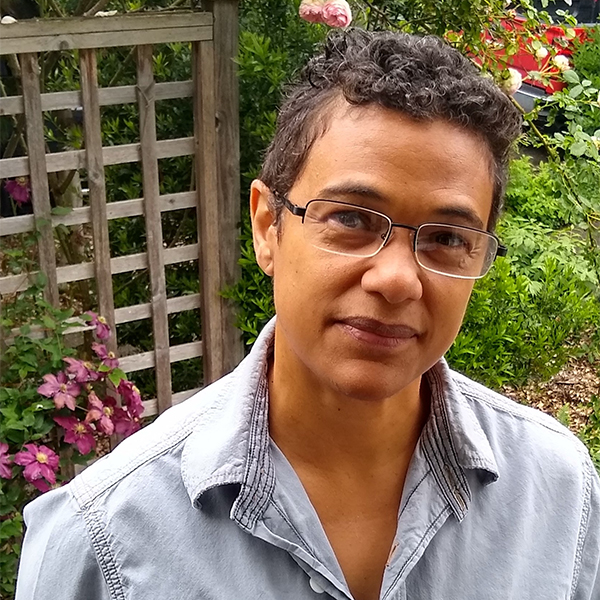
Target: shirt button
{"type": "Point", "coordinates": [316, 586]}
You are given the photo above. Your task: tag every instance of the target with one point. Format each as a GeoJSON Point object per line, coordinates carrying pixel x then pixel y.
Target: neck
{"type": "Point", "coordinates": [318, 427]}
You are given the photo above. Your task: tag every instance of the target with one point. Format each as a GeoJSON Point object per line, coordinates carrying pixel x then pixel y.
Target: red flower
{"type": "Point", "coordinates": [102, 327]}
{"type": "Point", "coordinates": [101, 411]}
{"type": "Point", "coordinates": [131, 397]}
{"type": "Point", "coordinates": [19, 189]}
{"type": "Point", "coordinates": [5, 462]}
{"type": "Point", "coordinates": [108, 358]}
{"type": "Point", "coordinates": [78, 433]}
{"type": "Point", "coordinates": [40, 464]}
{"type": "Point", "coordinates": [61, 389]}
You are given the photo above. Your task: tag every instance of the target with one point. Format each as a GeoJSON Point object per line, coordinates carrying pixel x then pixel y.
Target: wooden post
{"type": "Point", "coordinates": [207, 187]}
{"type": "Point", "coordinates": [160, 323]}
{"type": "Point", "coordinates": [225, 38]}
{"type": "Point", "coordinates": [95, 171]}
{"type": "Point", "coordinates": [38, 176]}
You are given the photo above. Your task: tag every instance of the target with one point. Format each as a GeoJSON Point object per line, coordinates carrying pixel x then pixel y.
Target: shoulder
{"type": "Point", "coordinates": [153, 453]}
{"type": "Point", "coordinates": [525, 437]}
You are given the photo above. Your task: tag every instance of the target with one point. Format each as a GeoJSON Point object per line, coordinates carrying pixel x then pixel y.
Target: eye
{"type": "Point", "coordinates": [449, 239]}
{"type": "Point", "coordinates": [351, 219]}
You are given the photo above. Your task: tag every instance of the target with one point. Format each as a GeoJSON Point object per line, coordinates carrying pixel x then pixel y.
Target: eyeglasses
{"type": "Point", "coordinates": [350, 230]}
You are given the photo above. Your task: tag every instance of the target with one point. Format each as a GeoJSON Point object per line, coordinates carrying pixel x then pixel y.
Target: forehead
{"type": "Point", "coordinates": [398, 164]}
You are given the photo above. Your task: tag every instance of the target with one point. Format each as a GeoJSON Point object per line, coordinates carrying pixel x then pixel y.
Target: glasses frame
{"type": "Point", "coordinates": [300, 211]}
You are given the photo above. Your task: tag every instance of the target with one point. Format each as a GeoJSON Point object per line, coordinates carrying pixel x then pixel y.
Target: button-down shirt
{"type": "Point", "coordinates": [500, 502]}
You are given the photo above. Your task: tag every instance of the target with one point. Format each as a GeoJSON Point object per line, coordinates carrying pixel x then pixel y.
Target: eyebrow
{"type": "Point", "coordinates": [364, 191]}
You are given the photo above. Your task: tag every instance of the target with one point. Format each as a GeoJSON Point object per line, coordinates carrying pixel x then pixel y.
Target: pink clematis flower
{"type": "Point", "coordinates": [337, 13]}
{"type": "Point", "coordinates": [102, 327]}
{"type": "Point", "coordinates": [19, 189]}
{"type": "Point", "coordinates": [131, 397]}
{"type": "Point", "coordinates": [78, 433]}
{"type": "Point", "coordinates": [125, 422]}
{"type": "Point", "coordinates": [40, 464]}
{"type": "Point", "coordinates": [108, 358]}
{"type": "Point", "coordinates": [83, 371]}
{"type": "Point", "coordinates": [5, 462]}
{"type": "Point", "coordinates": [61, 389]}
{"type": "Point", "coordinates": [311, 11]}
{"type": "Point", "coordinates": [101, 412]}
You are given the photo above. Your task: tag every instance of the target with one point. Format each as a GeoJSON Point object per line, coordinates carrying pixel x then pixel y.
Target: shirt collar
{"type": "Point", "coordinates": [454, 442]}
{"type": "Point", "coordinates": [230, 444]}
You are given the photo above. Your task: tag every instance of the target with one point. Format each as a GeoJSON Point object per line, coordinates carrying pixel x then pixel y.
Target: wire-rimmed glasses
{"type": "Point", "coordinates": [351, 230]}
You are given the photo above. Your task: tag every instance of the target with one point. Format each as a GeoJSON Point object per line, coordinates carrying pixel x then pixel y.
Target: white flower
{"type": "Point", "coordinates": [541, 53]}
{"type": "Point", "coordinates": [561, 62]}
{"type": "Point", "coordinates": [512, 82]}
{"type": "Point", "coordinates": [7, 20]}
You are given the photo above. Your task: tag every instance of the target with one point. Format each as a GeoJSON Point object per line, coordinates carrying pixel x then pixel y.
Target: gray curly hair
{"type": "Point", "coordinates": [419, 76]}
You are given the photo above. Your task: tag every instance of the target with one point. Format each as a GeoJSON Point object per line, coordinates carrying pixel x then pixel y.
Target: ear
{"type": "Point", "coordinates": [264, 230]}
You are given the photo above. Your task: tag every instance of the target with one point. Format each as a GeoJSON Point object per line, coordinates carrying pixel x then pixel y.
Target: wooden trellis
{"type": "Point", "coordinates": [213, 143]}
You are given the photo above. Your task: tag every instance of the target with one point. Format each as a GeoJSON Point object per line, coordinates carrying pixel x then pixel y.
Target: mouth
{"type": "Point", "coordinates": [376, 332]}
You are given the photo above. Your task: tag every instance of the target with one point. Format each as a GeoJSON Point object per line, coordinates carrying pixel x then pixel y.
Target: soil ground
{"type": "Point", "coordinates": [567, 396]}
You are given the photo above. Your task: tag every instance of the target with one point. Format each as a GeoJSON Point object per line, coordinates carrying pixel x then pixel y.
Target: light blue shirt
{"type": "Point", "coordinates": [500, 502]}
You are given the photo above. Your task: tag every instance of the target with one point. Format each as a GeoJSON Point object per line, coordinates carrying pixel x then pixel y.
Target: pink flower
{"type": "Point", "coordinates": [5, 462]}
{"type": "Point", "coordinates": [125, 422]}
{"type": "Point", "coordinates": [108, 358]}
{"type": "Point", "coordinates": [131, 397]}
{"type": "Point", "coordinates": [40, 464]}
{"type": "Point", "coordinates": [311, 11]}
{"type": "Point", "coordinates": [337, 13]}
{"type": "Point", "coordinates": [19, 190]}
{"type": "Point", "coordinates": [101, 411]}
{"type": "Point", "coordinates": [83, 371]}
{"type": "Point", "coordinates": [102, 327]}
{"type": "Point", "coordinates": [78, 433]}
{"type": "Point", "coordinates": [61, 389]}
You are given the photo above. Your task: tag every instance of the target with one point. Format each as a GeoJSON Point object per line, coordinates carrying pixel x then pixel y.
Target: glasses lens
{"type": "Point", "coordinates": [344, 228]}
{"type": "Point", "coordinates": [454, 250]}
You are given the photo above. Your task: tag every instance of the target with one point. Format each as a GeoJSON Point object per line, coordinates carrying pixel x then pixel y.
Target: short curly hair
{"type": "Point", "coordinates": [421, 77]}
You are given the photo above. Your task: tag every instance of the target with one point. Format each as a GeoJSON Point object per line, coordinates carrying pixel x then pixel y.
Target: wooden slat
{"type": "Point", "coordinates": [146, 360]}
{"type": "Point", "coordinates": [123, 24]}
{"type": "Point", "coordinates": [111, 155]}
{"type": "Point", "coordinates": [114, 210]}
{"type": "Point", "coordinates": [144, 311]}
{"type": "Point", "coordinates": [125, 94]}
{"type": "Point", "coordinates": [97, 186]}
{"type": "Point", "coordinates": [228, 157]}
{"type": "Point", "coordinates": [109, 39]}
{"type": "Point", "coordinates": [151, 406]}
{"type": "Point", "coordinates": [34, 126]}
{"type": "Point", "coordinates": [127, 314]}
{"type": "Point", "coordinates": [150, 183]}
{"type": "Point", "coordinates": [121, 264]}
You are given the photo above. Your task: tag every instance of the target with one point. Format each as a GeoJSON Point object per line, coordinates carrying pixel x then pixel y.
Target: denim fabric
{"type": "Point", "coordinates": [500, 502]}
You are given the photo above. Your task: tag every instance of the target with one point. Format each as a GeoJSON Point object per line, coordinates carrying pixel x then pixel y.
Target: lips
{"type": "Point", "coordinates": [376, 332]}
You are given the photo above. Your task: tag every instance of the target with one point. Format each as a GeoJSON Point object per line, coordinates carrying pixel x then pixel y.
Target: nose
{"type": "Point", "coordinates": [394, 272]}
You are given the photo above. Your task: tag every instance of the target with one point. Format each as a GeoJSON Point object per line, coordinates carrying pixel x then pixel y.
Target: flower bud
{"type": "Point", "coordinates": [511, 83]}
{"type": "Point", "coordinates": [541, 53]}
{"type": "Point", "coordinates": [561, 62]}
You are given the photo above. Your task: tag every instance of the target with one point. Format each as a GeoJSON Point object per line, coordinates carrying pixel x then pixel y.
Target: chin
{"type": "Point", "coordinates": [369, 383]}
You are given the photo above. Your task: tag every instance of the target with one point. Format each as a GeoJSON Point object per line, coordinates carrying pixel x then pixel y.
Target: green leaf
{"type": "Point", "coordinates": [571, 76]}
{"type": "Point", "coordinates": [49, 322]}
{"type": "Point", "coordinates": [578, 148]}
{"type": "Point", "coordinates": [576, 91]}
{"type": "Point", "coordinates": [61, 211]}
